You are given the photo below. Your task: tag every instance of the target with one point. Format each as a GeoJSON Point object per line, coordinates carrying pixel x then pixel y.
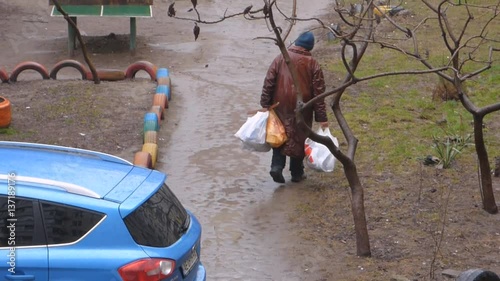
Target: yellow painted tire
{"type": "Point", "coordinates": [151, 148]}
{"type": "Point", "coordinates": [151, 137]}
{"type": "Point", "coordinates": [143, 159]}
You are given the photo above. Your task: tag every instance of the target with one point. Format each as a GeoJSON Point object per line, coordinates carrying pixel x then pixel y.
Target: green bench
{"type": "Point", "coordinates": [130, 11]}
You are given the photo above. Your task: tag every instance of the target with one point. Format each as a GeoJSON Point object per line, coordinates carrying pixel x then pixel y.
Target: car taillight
{"type": "Point", "coordinates": [147, 270]}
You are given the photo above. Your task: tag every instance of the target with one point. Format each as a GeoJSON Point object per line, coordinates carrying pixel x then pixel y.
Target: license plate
{"type": "Point", "coordinates": [187, 266]}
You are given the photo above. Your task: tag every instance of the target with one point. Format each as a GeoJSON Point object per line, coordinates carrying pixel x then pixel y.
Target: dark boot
{"type": "Point", "coordinates": [299, 178]}
{"type": "Point", "coordinates": [277, 164]}
{"type": "Point", "coordinates": [277, 175]}
{"type": "Point", "coordinates": [297, 169]}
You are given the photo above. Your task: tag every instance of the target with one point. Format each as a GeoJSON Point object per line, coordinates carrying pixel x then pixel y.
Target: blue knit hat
{"type": "Point", "coordinates": [305, 40]}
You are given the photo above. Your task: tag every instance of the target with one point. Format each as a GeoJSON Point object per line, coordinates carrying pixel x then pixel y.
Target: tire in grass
{"type": "Point", "coordinates": [164, 89]}
{"type": "Point", "coordinates": [151, 137]}
{"type": "Point", "coordinates": [478, 275]}
{"type": "Point", "coordinates": [5, 112]}
{"type": "Point", "coordinates": [69, 63]}
{"type": "Point", "coordinates": [29, 65]}
{"type": "Point", "coordinates": [147, 66]}
{"type": "Point", "coordinates": [159, 111]}
{"type": "Point", "coordinates": [161, 100]}
{"type": "Point", "coordinates": [143, 159]}
{"type": "Point", "coordinates": [151, 148]}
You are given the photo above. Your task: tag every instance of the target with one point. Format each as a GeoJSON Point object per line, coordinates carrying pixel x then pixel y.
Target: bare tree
{"type": "Point", "coordinates": [470, 53]}
{"type": "Point", "coordinates": [358, 33]}
{"type": "Point", "coordinates": [86, 56]}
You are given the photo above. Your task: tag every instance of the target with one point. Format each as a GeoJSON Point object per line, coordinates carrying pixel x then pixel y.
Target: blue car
{"type": "Point", "coordinates": [73, 214]}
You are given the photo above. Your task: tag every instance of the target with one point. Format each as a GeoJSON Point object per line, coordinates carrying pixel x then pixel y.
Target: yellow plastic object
{"type": "Point", "coordinates": [384, 9]}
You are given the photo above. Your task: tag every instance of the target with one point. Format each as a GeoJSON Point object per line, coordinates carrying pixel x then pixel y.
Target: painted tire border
{"type": "Point", "coordinates": [4, 76]}
{"type": "Point", "coordinates": [29, 65]}
{"type": "Point", "coordinates": [69, 63]}
{"type": "Point", "coordinates": [147, 66]}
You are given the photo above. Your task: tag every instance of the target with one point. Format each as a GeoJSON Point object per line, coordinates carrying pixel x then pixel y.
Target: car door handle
{"type": "Point", "coordinates": [20, 277]}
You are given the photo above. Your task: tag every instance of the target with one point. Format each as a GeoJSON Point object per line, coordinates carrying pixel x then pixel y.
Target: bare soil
{"type": "Point", "coordinates": [421, 221]}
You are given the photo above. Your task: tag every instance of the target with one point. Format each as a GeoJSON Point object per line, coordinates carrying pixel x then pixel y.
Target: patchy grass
{"type": "Point", "coordinates": [7, 131]}
{"type": "Point", "coordinates": [410, 208]}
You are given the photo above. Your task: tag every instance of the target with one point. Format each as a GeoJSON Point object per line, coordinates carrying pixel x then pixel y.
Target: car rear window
{"type": "Point", "coordinates": [158, 222]}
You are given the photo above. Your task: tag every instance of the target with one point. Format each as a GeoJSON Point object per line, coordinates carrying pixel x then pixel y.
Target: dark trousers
{"type": "Point", "coordinates": [279, 161]}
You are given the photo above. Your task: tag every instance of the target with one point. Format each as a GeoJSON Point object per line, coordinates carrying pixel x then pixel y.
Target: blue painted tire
{"type": "Point", "coordinates": [150, 116]}
{"type": "Point", "coordinates": [162, 72]}
{"type": "Point", "coordinates": [164, 89]}
{"type": "Point", "coordinates": [151, 126]}
{"type": "Point", "coordinates": [151, 122]}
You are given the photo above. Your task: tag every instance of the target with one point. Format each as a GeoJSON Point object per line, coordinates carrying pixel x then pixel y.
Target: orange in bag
{"type": "Point", "coordinates": [275, 131]}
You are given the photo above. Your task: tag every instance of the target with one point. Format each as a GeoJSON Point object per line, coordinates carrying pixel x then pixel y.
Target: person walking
{"type": "Point", "coordinates": [278, 87]}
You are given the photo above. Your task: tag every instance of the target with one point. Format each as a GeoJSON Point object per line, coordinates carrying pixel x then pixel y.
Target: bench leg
{"type": "Point", "coordinates": [71, 37]}
{"type": "Point", "coordinates": [133, 33]}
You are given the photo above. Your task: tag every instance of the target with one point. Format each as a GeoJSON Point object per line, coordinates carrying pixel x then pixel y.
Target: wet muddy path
{"type": "Point", "coordinates": [244, 213]}
{"type": "Point", "coordinates": [215, 81]}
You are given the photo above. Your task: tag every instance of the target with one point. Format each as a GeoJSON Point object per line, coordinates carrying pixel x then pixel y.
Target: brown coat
{"type": "Point", "coordinates": [278, 87]}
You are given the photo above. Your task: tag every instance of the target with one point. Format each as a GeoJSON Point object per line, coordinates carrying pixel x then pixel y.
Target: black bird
{"type": "Point", "coordinates": [171, 10]}
{"type": "Point", "coordinates": [247, 9]}
{"type": "Point", "coordinates": [194, 2]}
{"type": "Point", "coordinates": [196, 30]}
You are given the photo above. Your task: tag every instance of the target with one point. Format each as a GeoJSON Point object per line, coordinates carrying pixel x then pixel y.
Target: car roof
{"type": "Point", "coordinates": [79, 171]}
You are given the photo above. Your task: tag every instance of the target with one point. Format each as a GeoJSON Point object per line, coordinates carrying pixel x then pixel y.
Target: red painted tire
{"type": "Point", "coordinates": [107, 75]}
{"type": "Point", "coordinates": [29, 65]}
{"type": "Point", "coordinates": [143, 159]}
{"type": "Point", "coordinates": [4, 76]}
{"type": "Point", "coordinates": [5, 113]}
{"type": "Point", "coordinates": [69, 63]}
{"type": "Point", "coordinates": [159, 111]}
{"type": "Point", "coordinates": [141, 65]}
{"type": "Point", "coordinates": [161, 100]}
{"type": "Point", "coordinates": [151, 137]}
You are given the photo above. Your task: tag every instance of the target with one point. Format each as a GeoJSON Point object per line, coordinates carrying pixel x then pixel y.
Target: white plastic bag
{"type": "Point", "coordinates": [253, 132]}
{"type": "Point", "coordinates": [318, 156]}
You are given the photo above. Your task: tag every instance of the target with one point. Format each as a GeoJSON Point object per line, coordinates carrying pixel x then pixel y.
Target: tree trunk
{"type": "Point", "coordinates": [358, 210]}
{"type": "Point", "coordinates": [485, 182]}
{"type": "Point", "coordinates": [79, 36]}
